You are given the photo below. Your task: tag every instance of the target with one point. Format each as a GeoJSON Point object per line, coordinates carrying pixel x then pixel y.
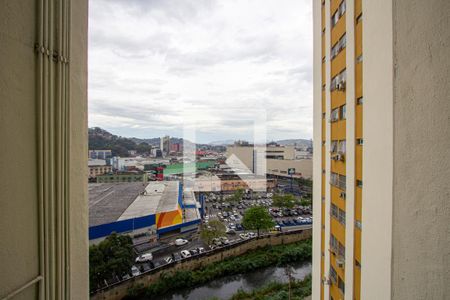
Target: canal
{"type": "Point", "coordinates": [225, 287]}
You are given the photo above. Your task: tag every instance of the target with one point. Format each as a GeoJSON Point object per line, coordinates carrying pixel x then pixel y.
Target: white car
{"type": "Point", "coordinates": [168, 259]}
{"type": "Point", "coordinates": [181, 242]}
{"type": "Point", "coordinates": [243, 236]}
{"type": "Point", "coordinates": [144, 257]}
{"type": "Point", "coordinates": [201, 249]}
{"type": "Point", "coordinates": [135, 271]}
{"type": "Point", "coordinates": [185, 254]}
{"type": "Point", "coordinates": [252, 234]}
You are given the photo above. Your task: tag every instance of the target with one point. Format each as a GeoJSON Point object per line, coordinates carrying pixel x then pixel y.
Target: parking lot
{"type": "Point", "coordinates": [230, 214]}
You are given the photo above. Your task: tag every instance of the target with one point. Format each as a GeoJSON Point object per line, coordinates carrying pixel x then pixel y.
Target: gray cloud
{"type": "Point", "coordinates": [158, 65]}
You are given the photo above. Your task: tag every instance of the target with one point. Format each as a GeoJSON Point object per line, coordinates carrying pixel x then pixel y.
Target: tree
{"type": "Point", "coordinates": [287, 200]}
{"type": "Point", "coordinates": [112, 256]}
{"type": "Point", "coordinates": [257, 218]}
{"type": "Point", "coordinates": [237, 195]}
{"type": "Point", "coordinates": [214, 230]}
{"type": "Point", "coordinates": [305, 202]}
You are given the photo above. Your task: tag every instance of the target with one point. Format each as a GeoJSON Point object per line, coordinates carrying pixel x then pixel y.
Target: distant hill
{"type": "Point", "coordinates": [222, 143]}
{"type": "Point", "coordinates": [295, 142]}
{"type": "Point", "coordinates": [102, 139]}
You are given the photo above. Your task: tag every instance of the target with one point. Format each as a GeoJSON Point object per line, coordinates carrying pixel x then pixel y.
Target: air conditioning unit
{"type": "Point", "coordinates": [340, 262]}
{"type": "Point", "coordinates": [325, 280]}
{"type": "Point", "coordinates": [342, 195]}
{"type": "Point", "coordinates": [340, 86]}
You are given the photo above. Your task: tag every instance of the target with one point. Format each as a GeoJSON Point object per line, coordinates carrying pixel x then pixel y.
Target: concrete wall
{"type": "Point", "coordinates": [303, 166]}
{"type": "Point", "coordinates": [317, 155]}
{"type": "Point", "coordinates": [43, 247]}
{"type": "Point", "coordinates": [120, 290]}
{"type": "Point", "coordinates": [19, 245]}
{"type": "Point", "coordinates": [421, 199]}
{"type": "Point", "coordinates": [376, 233]}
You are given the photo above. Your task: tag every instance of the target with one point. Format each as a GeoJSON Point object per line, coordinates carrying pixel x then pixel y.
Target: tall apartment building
{"type": "Point", "coordinates": [381, 120]}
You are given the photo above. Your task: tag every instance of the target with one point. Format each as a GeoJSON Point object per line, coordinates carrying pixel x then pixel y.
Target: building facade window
{"type": "Point", "coordinates": [342, 147]}
{"type": "Point", "coordinates": [341, 250]}
{"type": "Point", "coordinates": [359, 59]}
{"type": "Point", "coordinates": [338, 47]}
{"type": "Point", "coordinates": [341, 216]}
{"type": "Point", "coordinates": [359, 18]}
{"type": "Point", "coordinates": [334, 146]}
{"type": "Point", "coordinates": [338, 81]}
{"type": "Point", "coordinates": [359, 142]}
{"type": "Point", "coordinates": [358, 224]}
{"type": "Point", "coordinates": [334, 211]}
{"type": "Point", "coordinates": [334, 116]}
{"type": "Point", "coordinates": [343, 112]}
{"type": "Point", "coordinates": [341, 285]}
{"type": "Point", "coordinates": [333, 275]}
{"type": "Point", "coordinates": [338, 14]}
{"type": "Point", "coordinates": [359, 101]}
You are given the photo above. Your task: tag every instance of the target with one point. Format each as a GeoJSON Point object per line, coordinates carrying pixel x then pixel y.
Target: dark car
{"type": "Point", "coordinates": [176, 256]}
{"type": "Point", "coordinates": [193, 251]}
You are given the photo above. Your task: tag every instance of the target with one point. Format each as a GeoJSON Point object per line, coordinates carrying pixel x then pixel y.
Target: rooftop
{"type": "Point", "coordinates": [108, 201]}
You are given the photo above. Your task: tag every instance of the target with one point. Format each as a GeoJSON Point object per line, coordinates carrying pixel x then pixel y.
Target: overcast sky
{"type": "Point", "coordinates": [157, 66]}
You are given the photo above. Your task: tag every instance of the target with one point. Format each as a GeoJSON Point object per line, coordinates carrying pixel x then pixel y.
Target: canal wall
{"type": "Point", "coordinates": [119, 290]}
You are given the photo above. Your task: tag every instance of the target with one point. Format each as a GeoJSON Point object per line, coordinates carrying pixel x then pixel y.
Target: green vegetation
{"type": "Point", "coordinates": [278, 291]}
{"type": "Point", "coordinates": [237, 196]}
{"type": "Point", "coordinates": [112, 256]}
{"type": "Point", "coordinates": [102, 139]}
{"type": "Point", "coordinates": [287, 200]}
{"type": "Point", "coordinates": [248, 262]}
{"type": "Point", "coordinates": [257, 218]}
{"type": "Point", "coordinates": [213, 230]}
{"type": "Point", "coordinates": [305, 202]}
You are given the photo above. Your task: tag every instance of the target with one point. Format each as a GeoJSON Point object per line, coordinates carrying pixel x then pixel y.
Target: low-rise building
{"type": "Point", "coordinates": [156, 208]}
{"type": "Point", "coordinates": [271, 159]}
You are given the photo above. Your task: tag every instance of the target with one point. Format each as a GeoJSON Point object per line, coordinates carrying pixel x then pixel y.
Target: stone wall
{"type": "Point", "coordinates": [119, 290]}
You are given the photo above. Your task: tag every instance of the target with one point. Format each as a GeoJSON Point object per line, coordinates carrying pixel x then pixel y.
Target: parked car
{"type": "Point", "coordinates": [185, 254]}
{"type": "Point", "coordinates": [193, 251]}
{"type": "Point", "coordinates": [230, 231]}
{"type": "Point", "coordinates": [200, 249]}
{"type": "Point", "coordinates": [244, 236]}
{"type": "Point", "coordinates": [239, 227]}
{"type": "Point", "coordinates": [224, 240]}
{"type": "Point", "coordinates": [144, 257]}
{"type": "Point", "coordinates": [252, 234]}
{"type": "Point", "coordinates": [181, 242]}
{"type": "Point", "coordinates": [135, 271]}
{"type": "Point", "coordinates": [176, 256]}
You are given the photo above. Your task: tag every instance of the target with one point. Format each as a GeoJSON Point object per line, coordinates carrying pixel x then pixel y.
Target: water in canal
{"type": "Point", "coordinates": [225, 287]}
